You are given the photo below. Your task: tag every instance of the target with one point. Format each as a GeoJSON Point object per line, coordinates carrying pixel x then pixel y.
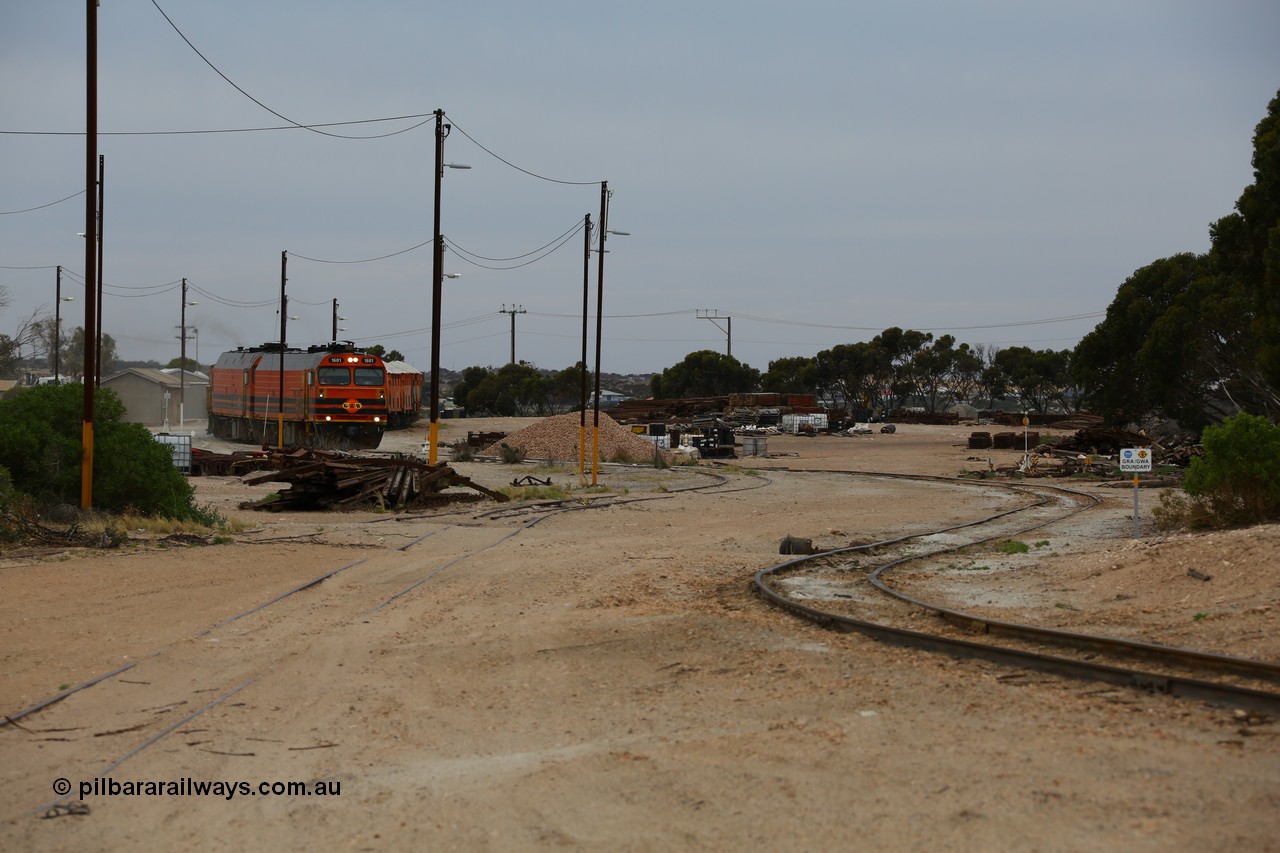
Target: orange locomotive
{"type": "Point", "coordinates": [335, 396]}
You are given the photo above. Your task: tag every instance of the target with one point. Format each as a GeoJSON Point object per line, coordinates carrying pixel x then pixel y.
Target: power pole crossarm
{"type": "Point", "coordinates": [713, 315]}
{"type": "Point", "coordinates": [513, 311]}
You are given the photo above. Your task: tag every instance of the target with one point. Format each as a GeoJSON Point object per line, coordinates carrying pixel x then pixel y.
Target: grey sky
{"type": "Point", "coordinates": [817, 170]}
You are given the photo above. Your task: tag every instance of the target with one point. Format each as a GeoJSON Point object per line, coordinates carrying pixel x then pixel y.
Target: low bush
{"type": "Point", "coordinates": [1236, 482]}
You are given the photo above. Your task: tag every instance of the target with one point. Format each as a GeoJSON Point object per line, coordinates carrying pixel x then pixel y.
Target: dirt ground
{"type": "Point", "coordinates": [607, 679]}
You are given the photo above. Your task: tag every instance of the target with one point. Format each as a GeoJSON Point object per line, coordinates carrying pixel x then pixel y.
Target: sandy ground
{"type": "Point", "coordinates": [607, 680]}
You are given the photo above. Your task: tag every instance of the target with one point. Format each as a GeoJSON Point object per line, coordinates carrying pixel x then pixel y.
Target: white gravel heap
{"type": "Point", "coordinates": [556, 439]}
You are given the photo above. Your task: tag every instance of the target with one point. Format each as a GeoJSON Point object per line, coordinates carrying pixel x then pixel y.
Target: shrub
{"type": "Point", "coordinates": [511, 454]}
{"type": "Point", "coordinates": [41, 445]}
{"type": "Point", "coordinates": [1237, 480]}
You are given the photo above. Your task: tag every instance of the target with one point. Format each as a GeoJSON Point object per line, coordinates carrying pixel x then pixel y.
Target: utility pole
{"type": "Point", "coordinates": [437, 272]}
{"type": "Point", "coordinates": [513, 311]}
{"type": "Point", "coordinates": [90, 255]}
{"type": "Point", "coordinates": [182, 358]}
{"type": "Point", "coordinates": [102, 165]}
{"type": "Point", "coordinates": [57, 326]}
{"type": "Point", "coordinates": [586, 290]}
{"type": "Point", "coordinates": [336, 318]}
{"type": "Point", "coordinates": [713, 315]}
{"type": "Point", "coordinates": [284, 317]}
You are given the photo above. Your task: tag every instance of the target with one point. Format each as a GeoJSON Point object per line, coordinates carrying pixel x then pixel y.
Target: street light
{"type": "Point", "coordinates": [437, 281]}
{"type": "Point", "coordinates": [58, 299]}
{"type": "Point", "coordinates": [604, 231]}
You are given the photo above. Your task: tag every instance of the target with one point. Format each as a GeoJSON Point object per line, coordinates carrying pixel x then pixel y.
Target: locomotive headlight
{"type": "Point", "coordinates": [327, 418]}
{"type": "Point", "coordinates": [376, 419]}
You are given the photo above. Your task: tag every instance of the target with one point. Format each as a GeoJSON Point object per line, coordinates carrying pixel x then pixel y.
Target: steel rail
{"type": "Point", "coordinates": [1181, 686]}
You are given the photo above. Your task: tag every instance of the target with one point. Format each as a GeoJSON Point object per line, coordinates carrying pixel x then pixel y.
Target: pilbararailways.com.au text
{"type": "Point", "coordinates": [188, 787]}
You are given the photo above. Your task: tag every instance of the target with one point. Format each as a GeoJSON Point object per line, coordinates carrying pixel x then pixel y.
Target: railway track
{"type": "Point", "coordinates": [852, 590]}
{"type": "Point", "coordinates": [383, 580]}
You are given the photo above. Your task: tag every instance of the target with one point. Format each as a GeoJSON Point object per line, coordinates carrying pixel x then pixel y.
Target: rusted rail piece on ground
{"type": "Point", "coordinates": [321, 479]}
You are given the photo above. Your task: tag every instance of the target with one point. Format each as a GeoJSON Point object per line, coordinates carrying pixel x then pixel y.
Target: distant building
{"type": "Point", "coordinates": [608, 399]}
{"type": "Point", "coordinates": [151, 396]}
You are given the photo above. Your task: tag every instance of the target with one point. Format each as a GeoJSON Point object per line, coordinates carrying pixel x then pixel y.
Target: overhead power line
{"type": "Point", "coordinates": [39, 207]}
{"type": "Point", "coordinates": [234, 85]}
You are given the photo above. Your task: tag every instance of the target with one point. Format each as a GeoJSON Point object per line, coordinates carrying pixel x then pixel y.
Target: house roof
{"type": "Point", "coordinates": [158, 376]}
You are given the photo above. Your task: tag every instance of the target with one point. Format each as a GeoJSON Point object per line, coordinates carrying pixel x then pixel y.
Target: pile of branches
{"type": "Point", "coordinates": [321, 480]}
{"type": "Point", "coordinates": [18, 524]}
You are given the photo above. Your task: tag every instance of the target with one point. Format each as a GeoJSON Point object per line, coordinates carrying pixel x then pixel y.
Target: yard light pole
{"type": "Point", "coordinates": [586, 291]}
{"type": "Point", "coordinates": [437, 280]}
{"type": "Point", "coordinates": [57, 326]}
{"type": "Point", "coordinates": [604, 232]}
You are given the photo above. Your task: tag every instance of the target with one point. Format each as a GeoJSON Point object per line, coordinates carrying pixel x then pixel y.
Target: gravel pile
{"type": "Point", "coordinates": [556, 439]}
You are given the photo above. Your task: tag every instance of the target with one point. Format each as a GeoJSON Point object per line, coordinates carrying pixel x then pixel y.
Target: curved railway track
{"type": "Point", "coordinates": [851, 590]}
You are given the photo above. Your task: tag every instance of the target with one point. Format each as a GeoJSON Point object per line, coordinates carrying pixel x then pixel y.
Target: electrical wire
{"type": "Point", "coordinates": [364, 260]}
{"type": "Point", "coordinates": [230, 82]}
{"type": "Point", "coordinates": [38, 207]}
{"type": "Point", "coordinates": [513, 165]}
{"type": "Point", "coordinates": [265, 129]}
{"type": "Point", "coordinates": [570, 233]}
{"type": "Point", "coordinates": [779, 322]}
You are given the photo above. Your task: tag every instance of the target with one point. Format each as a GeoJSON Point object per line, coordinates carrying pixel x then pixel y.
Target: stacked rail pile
{"type": "Point", "coordinates": [321, 480]}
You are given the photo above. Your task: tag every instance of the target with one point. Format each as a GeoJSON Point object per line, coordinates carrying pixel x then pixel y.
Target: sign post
{"type": "Point", "coordinates": [1135, 460]}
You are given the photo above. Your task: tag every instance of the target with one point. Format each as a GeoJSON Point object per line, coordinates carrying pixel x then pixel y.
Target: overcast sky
{"type": "Point", "coordinates": [817, 171]}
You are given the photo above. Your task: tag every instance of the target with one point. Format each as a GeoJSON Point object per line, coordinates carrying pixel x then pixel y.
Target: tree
{"type": "Point", "coordinates": [73, 354]}
{"type": "Point", "coordinates": [40, 444]}
{"type": "Point", "coordinates": [564, 389]}
{"type": "Point", "coordinates": [190, 364]}
{"type": "Point", "coordinates": [931, 369]}
{"type": "Point", "coordinates": [1038, 377]}
{"type": "Point", "coordinates": [965, 376]}
{"type": "Point", "coordinates": [11, 346]}
{"type": "Point", "coordinates": [895, 349]}
{"type": "Point", "coordinates": [705, 373]}
{"type": "Point", "coordinates": [1197, 337]}
{"type": "Point", "coordinates": [797, 375]}
{"type": "Point", "coordinates": [515, 390]}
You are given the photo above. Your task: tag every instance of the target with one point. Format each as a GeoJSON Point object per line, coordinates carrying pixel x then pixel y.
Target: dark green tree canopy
{"type": "Point", "coordinates": [40, 445]}
{"type": "Point", "coordinates": [705, 374]}
{"type": "Point", "coordinates": [1197, 337]}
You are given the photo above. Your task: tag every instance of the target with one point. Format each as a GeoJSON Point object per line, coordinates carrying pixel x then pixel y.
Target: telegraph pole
{"type": "Point", "coordinates": [513, 311]}
{"type": "Point", "coordinates": [604, 230]}
{"type": "Point", "coordinates": [90, 255]}
{"type": "Point", "coordinates": [102, 165]}
{"type": "Point", "coordinates": [284, 317]}
{"type": "Point", "coordinates": [182, 360]}
{"type": "Point", "coordinates": [586, 291]}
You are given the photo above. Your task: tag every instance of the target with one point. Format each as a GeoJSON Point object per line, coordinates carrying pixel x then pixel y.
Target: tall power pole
{"type": "Point", "coordinates": [513, 311]}
{"type": "Point", "coordinates": [90, 253]}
